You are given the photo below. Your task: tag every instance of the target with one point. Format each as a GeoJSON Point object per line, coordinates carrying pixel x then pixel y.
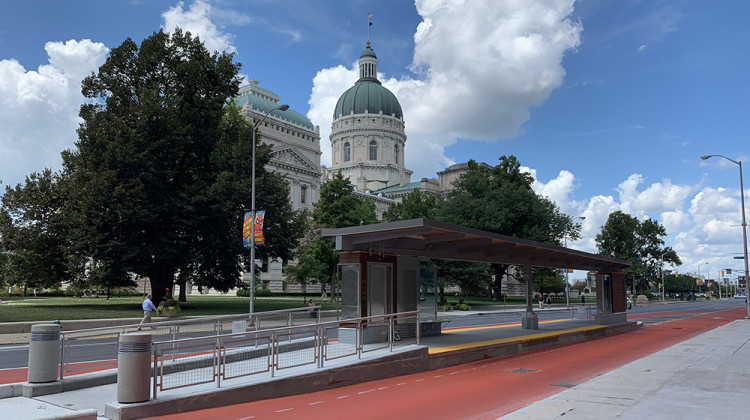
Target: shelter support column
{"type": "Point", "coordinates": [529, 321]}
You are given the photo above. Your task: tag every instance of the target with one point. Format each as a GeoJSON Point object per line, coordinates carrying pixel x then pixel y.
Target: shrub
{"type": "Point", "coordinates": [168, 304]}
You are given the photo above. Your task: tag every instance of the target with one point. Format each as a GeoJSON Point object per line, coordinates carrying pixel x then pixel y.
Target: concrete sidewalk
{"type": "Point", "coordinates": [79, 394]}
{"type": "Point", "coordinates": [707, 376]}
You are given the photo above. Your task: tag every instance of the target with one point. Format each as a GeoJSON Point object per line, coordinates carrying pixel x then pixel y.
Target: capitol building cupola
{"type": "Point", "coordinates": [367, 133]}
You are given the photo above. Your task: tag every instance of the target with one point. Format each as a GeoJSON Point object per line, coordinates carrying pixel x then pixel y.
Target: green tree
{"type": "Point", "coordinates": [548, 281]}
{"type": "Point", "coordinates": [474, 279]}
{"type": "Point", "coordinates": [414, 205]}
{"type": "Point", "coordinates": [35, 245]}
{"type": "Point", "coordinates": [625, 237]}
{"type": "Point", "coordinates": [160, 178]}
{"type": "Point", "coordinates": [500, 199]}
{"type": "Point", "coordinates": [337, 207]}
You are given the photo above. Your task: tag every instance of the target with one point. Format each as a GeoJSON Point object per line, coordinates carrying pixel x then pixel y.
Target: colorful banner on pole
{"type": "Point", "coordinates": [247, 228]}
{"type": "Point", "coordinates": [259, 218]}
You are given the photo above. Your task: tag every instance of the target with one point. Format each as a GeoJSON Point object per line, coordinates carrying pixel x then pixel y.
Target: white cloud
{"type": "Point", "coordinates": [558, 190]}
{"type": "Point", "coordinates": [197, 20]}
{"type": "Point", "coordinates": [39, 109]}
{"type": "Point", "coordinates": [657, 198]}
{"type": "Point", "coordinates": [476, 80]}
{"type": "Point", "coordinates": [642, 48]}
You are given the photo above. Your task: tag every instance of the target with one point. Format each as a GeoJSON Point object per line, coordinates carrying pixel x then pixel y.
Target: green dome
{"type": "Point", "coordinates": [263, 105]}
{"type": "Point", "coordinates": [368, 52]}
{"type": "Point", "coordinates": [367, 95]}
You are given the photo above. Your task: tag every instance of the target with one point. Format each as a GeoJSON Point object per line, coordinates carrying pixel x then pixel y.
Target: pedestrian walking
{"type": "Point", "coordinates": [311, 310]}
{"type": "Point", "coordinates": [541, 301]}
{"type": "Point", "coordinates": [583, 299]}
{"type": "Point", "coordinates": [148, 306]}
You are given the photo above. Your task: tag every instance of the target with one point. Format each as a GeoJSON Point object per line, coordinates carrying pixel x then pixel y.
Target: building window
{"type": "Point", "coordinates": [373, 150]}
{"type": "Point", "coordinates": [347, 152]}
{"type": "Point", "coordinates": [395, 154]}
{"type": "Point", "coordinates": [303, 194]}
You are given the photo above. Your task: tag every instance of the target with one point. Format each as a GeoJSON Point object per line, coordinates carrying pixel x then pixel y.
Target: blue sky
{"type": "Point", "coordinates": [609, 104]}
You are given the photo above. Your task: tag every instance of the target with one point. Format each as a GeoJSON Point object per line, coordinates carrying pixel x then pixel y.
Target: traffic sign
{"type": "Point", "coordinates": [739, 258]}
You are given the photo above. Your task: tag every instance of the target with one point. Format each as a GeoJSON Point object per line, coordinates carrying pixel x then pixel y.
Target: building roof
{"type": "Point", "coordinates": [396, 188]}
{"type": "Point", "coordinates": [433, 239]}
{"type": "Point", "coordinates": [263, 105]}
{"type": "Point", "coordinates": [367, 96]}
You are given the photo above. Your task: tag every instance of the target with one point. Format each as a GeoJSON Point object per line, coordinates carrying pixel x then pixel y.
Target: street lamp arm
{"type": "Point", "coordinates": [704, 157]}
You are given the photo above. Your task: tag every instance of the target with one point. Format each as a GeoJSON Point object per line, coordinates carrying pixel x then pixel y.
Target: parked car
{"type": "Point", "coordinates": [740, 296]}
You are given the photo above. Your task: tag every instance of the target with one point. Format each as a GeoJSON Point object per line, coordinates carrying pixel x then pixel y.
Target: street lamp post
{"type": "Point", "coordinates": [744, 226]}
{"type": "Point", "coordinates": [252, 209]}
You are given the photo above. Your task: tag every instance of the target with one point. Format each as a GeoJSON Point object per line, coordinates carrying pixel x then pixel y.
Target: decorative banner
{"type": "Point", "coordinates": [246, 230]}
{"type": "Point", "coordinates": [259, 217]}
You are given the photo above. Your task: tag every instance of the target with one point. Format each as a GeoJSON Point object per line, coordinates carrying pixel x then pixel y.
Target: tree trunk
{"type": "Point", "coordinates": [182, 281]}
{"type": "Point", "coordinates": [161, 276]}
{"type": "Point", "coordinates": [499, 271]}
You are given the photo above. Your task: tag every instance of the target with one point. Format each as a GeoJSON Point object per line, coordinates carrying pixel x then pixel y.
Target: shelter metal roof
{"type": "Point", "coordinates": [433, 239]}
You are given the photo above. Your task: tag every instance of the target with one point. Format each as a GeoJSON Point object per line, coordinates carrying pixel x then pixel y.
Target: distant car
{"type": "Point", "coordinates": [739, 296]}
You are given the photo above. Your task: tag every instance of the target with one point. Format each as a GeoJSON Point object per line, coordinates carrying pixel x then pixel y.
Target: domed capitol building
{"type": "Point", "coordinates": [368, 142]}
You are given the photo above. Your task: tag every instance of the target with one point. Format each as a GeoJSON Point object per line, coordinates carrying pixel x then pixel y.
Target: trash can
{"type": "Point", "coordinates": [44, 353]}
{"type": "Point", "coordinates": [134, 367]}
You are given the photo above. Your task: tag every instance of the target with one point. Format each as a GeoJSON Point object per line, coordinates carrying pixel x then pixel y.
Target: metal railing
{"type": "Point", "coordinates": [198, 360]}
{"type": "Point", "coordinates": [96, 348]}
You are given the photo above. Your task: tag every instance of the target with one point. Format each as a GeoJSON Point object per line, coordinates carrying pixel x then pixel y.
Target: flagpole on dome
{"type": "Point", "coordinates": [369, 23]}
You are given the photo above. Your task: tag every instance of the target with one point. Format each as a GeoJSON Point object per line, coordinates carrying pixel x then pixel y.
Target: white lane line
{"type": "Point", "coordinates": [382, 388]}
{"type": "Point", "coordinates": [343, 396]}
{"type": "Point", "coordinates": [317, 402]}
{"type": "Point", "coordinates": [402, 383]}
{"type": "Point", "coordinates": [247, 418]}
{"type": "Point", "coordinates": [365, 392]}
{"type": "Point", "coordinates": [286, 409]}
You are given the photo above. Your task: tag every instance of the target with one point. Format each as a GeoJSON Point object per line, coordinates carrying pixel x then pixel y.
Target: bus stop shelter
{"type": "Point", "coordinates": [380, 273]}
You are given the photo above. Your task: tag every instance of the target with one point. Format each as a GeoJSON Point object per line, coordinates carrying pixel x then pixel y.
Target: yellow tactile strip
{"type": "Point", "coordinates": [523, 338]}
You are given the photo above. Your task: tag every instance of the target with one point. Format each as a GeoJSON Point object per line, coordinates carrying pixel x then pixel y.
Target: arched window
{"type": "Point", "coordinates": [373, 150]}
{"type": "Point", "coordinates": [303, 194]}
{"type": "Point", "coordinates": [347, 152]}
{"type": "Point", "coordinates": [395, 154]}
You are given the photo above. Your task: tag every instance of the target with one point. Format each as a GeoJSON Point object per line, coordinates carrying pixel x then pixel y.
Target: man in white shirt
{"type": "Point", "coordinates": [148, 306]}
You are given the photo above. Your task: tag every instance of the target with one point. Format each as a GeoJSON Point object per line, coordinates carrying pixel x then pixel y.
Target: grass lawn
{"type": "Point", "coordinates": [62, 308]}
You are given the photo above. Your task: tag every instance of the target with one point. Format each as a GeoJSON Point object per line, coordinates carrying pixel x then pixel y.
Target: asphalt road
{"type": "Point", "coordinates": [491, 388]}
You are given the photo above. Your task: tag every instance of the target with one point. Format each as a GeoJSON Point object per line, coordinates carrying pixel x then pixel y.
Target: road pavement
{"type": "Point", "coordinates": [665, 323]}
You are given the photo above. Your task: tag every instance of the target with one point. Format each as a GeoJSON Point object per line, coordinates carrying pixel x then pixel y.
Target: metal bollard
{"type": "Point", "coordinates": [44, 353]}
{"type": "Point", "coordinates": [134, 368]}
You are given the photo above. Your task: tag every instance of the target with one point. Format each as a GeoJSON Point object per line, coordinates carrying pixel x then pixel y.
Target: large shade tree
{"type": "Point", "coordinates": [161, 177]}
{"type": "Point", "coordinates": [500, 199]}
{"type": "Point", "coordinates": [641, 242]}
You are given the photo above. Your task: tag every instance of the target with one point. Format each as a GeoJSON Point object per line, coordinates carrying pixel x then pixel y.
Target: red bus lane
{"type": "Point", "coordinates": [484, 389]}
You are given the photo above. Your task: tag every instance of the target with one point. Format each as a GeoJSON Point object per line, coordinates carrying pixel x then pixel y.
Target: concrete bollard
{"type": "Point", "coordinates": [44, 353]}
{"type": "Point", "coordinates": [134, 368]}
